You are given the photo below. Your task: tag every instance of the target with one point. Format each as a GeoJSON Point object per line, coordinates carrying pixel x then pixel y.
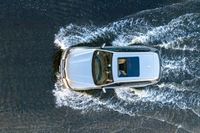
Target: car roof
{"type": "Point", "coordinates": [149, 66]}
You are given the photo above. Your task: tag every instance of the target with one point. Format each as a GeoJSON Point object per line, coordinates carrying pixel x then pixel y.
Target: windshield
{"type": "Point", "coordinates": [102, 67]}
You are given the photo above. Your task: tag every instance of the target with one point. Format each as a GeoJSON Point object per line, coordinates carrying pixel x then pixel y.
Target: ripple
{"type": "Point", "coordinates": [178, 90]}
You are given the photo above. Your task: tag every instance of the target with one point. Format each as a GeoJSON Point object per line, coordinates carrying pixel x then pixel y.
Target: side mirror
{"type": "Point", "coordinates": [106, 88]}
{"type": "Point", "coordinates": [103, 45]}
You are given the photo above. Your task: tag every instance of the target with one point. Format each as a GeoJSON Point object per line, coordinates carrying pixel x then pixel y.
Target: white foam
{"type": "Point", "coordinates": [76, 100]}
{"type": "Point", "coordinates": [173, 34]}
{"type": "Point", "coordinates": [74, 34]}
{"type": "Point", "coordinates": [169, 36]}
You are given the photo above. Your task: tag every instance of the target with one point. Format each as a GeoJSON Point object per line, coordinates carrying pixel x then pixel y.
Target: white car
{"type": "Point", "coordinates": [86, 68]}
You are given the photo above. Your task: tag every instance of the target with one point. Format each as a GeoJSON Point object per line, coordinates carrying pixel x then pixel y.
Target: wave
{"type": "Point", "coordinates": [148, 102]}
{"type": "Point", "coordinates": [178, 89]}
{"type": "Point", "coordinates": [180, 33]}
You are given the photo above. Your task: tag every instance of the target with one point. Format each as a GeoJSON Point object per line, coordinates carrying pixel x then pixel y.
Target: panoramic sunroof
{"type": "Point", "coordinates": [128, 67]}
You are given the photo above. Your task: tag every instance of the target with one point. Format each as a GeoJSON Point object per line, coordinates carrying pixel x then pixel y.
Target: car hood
{"type": "Point", "coordinates": [79, 68]}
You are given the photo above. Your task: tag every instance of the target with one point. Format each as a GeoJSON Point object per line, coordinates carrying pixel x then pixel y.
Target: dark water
{"type": "Point", "coordinates": [33, 100]}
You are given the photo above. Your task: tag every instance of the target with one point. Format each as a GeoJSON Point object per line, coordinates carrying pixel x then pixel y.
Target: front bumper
{"type": "Point", "coordinates": [63, 73]}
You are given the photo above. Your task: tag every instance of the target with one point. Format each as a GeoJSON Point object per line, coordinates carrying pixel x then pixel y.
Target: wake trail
{"type": "Point", "coordinates": [178, 89]}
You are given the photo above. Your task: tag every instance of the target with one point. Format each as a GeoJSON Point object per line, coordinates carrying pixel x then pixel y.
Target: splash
{"type": "Point", "coordinates": [74, 34]}
{"type": "Point", "coordinates": [177, 41]}
{"type": "Point", "coordinates": [76, 100]}
{"type": "Point", "coordinates": [181, 33]}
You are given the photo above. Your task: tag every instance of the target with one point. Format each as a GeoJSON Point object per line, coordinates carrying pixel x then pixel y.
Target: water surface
{"type": "Point", "coordinates": [33, 100]}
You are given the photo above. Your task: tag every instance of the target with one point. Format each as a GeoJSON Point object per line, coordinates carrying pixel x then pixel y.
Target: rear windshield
{"type": "Point", "coordinates": [128, 67]}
